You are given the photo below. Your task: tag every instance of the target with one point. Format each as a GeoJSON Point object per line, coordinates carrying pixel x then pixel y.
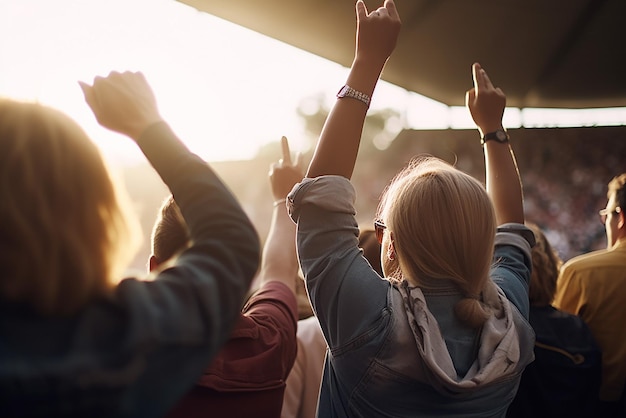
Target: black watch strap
{"type": "Point", "coordinates": [499, 135]}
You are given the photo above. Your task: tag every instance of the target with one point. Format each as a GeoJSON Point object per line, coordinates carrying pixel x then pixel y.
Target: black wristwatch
{"type": "Point", "coordinates": [499, 136]}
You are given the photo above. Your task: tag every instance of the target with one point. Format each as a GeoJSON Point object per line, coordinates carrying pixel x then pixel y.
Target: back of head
{"type": "Point", "coordinates": [443, 226]}
{"type": "Point", "coordinates": [617, 186]}
{"type": "Point", "coordinates": [170, 234]}
{"type": "Point", "coordinates": [64, 234]}
{"type": "Point", "coordinates": [546, 265]}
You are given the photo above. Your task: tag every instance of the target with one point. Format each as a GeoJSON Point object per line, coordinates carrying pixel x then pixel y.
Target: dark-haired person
{"type": "Point", "coordinates": [565, 377]}
{"type": "Point", "coordinates": [247, 377]}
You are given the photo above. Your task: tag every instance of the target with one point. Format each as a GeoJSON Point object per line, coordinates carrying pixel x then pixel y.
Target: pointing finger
{"type": "Point", "coordinates": [286, 152]}
{"type": "Point", "coordinates": [485, 78]}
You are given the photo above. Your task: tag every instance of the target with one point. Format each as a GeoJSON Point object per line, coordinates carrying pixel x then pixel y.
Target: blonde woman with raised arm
{"type": "Point", "coordinates": [446, 332]}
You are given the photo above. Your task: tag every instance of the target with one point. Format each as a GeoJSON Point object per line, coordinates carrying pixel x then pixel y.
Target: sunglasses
{"type": "Point", "coordinates": [604, 213]}
{"type": "Point", "coordinates": [379, 229]}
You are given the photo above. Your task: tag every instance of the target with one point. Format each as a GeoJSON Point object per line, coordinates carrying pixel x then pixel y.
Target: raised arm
{"type": "Point", "coordinates": [193, 304]}
{"type": "Point", "coordinates": [486, 105]}
{"type": "Point", "coordinates": [338, 146]}
{"type": "Point", "coordinates": [280, 261]}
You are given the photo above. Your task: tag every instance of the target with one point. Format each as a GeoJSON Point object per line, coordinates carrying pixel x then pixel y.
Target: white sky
{"type": "Point", "coordinates": [225, 90]}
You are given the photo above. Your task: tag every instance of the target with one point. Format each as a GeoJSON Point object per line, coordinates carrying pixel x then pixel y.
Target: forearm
{"type": "Point", "coordinates": [225, 253]}
{"type": "Point", "coordinates": [503, 182]}
{"type": "Point", "coordinates": [280, 260]}
{"type": "Point", "coordinates": [339, 141]}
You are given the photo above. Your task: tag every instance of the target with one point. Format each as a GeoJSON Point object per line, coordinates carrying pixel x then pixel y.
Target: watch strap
{"type": "Point", "coordinates": [347, 91]}
{"type": "Point", "coordinates": [500, 135]}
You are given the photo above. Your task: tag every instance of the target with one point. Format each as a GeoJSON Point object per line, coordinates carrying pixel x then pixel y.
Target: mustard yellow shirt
{"type": "Point", "coordinates": [593, 286]}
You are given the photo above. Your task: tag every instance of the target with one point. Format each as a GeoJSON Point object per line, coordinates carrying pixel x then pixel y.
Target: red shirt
{"type": "Point", "coordinates": [247, 377]}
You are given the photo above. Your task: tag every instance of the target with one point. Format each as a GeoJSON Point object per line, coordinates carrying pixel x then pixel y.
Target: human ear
{"type": "Point", "coordinates": [153, 263]}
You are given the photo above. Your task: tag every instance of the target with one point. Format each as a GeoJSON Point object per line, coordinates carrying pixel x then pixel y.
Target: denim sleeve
{"type": "Point", "coordinates": [204, 291]}
{"type": "Point", "coordinates": [135, 352]}
{"type": "Point", "coordinates": [183, 317]}
{"type": "Point", "coordinates": [347, 295]}
{"type": "Point", "coordinates": [512, 266]}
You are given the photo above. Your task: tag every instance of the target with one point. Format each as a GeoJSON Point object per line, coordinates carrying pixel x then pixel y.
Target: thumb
{"type": "Point", "coordinates": [470, 96]}
{"type": "Point", "coordinates": [361, 10]}
{"type": "Point", "coordinates": [90, 97]}
{"type": "Point", "coordinates": [476, 74]}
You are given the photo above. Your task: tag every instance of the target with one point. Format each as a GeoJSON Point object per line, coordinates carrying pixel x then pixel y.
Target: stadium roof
{"type": "Point", "coordinates": [558, 53]}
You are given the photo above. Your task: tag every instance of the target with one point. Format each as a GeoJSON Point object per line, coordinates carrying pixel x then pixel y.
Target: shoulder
{"type": "Point", "coordinates": [557, 319]}
{"type": "Point", "coordinates": [585, 262]}
{"type": "Point", "coordinates": [271, 289]}
{"type": "Point", "coordinates": [273, 301]}
{"type": "Point", "coordinates": [562, 329]}
{"type": "Point", "coordinates": [330, 193]}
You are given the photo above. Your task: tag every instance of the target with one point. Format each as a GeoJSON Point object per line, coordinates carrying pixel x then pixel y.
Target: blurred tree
{"type": "Point", "coordinates": [380, 129]}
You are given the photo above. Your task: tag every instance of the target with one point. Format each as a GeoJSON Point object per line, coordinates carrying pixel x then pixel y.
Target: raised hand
{"type": "Point", "coordinates": [285, 174]}
{"type": "Point", "coordinates": [485, 102]}
{"type": "Point", "coordinates": [122, 102]}
{"type": "Point", "coordinates": [280, 261]}
{"type": "Point", "coordinates": [377, 31]}
{"type": "Point", "coordinates": [338, 146]}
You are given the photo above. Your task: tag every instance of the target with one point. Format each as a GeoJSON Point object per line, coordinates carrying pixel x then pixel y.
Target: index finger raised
{"type": "Point", "coordinates": [481, 79]}
{"type": "Point", "coordinates": [286, 152]}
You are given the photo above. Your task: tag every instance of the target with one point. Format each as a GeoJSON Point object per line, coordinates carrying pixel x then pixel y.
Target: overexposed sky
{"type": "Point", "coordinates": [224, 89]}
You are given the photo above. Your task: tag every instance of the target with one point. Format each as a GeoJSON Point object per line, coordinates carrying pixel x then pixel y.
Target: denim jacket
{"type": "Point", "coordinates": [378, 363]}
{"type": "Point", "coordinates": [135, 352]}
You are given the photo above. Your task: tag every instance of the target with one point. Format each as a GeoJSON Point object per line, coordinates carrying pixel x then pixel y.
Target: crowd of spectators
{"type": "Point", "coordinates": [564, 172]}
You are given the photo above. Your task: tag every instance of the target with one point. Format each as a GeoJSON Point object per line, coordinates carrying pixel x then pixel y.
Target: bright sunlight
{"type": "Point", "coordinates": [225, 90]}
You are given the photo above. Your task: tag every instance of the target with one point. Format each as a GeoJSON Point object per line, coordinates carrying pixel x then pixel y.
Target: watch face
{"type": "Point", "coordinates": [500, 136]}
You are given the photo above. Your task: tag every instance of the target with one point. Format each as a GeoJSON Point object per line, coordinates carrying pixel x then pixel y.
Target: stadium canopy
{"type": "Point", "coordinates": [557, 53]}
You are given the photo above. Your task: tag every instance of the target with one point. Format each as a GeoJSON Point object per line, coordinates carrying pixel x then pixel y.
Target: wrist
{"type": "Point", "coordinates": [142, 134]}
{"type": "Point", "coordinates": [136, 130]}
{"type": "Point", "coordinates": [487, 128]}
{"type": "Point", "coordinates": [347, 91]}
{"type": "Point", "coordinates": [365, 72]}
{"type": "Point", "coordinates": [371, 61]}
{"type": "Point", "coordinates": [500, 136]}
